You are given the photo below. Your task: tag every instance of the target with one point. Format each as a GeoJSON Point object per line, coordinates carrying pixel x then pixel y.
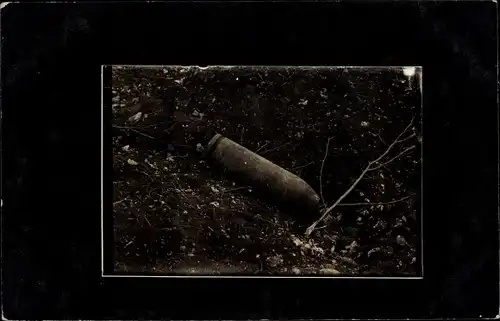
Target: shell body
{"type": "Point", "coordinates": [268, 178]}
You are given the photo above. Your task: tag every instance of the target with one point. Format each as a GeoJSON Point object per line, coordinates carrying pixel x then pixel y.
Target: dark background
{"type": "Point", "coordinates": [51, 117]}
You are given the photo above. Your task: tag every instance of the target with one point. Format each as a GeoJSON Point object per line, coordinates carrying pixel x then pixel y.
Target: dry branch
{"type": "Point", "coordinates": [373, 204]}
{"type": "Point", "coordinates": [321, 172]}
{"type": "Point", "coordinates": [376, 164]}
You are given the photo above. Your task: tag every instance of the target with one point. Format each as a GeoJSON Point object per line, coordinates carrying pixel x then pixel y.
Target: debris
{"type": "Point", "coordinates": [318, 249]}
{"type": "Point", "coordinates": [125, 148]}
{"type": "Point", "coordinates": [214, 203]}
{"type": "Point", "coordinates": [135, 118]}
{"type": "Point", "coordinates": [274, 261]}
{"type": "Point", "coordinates": [352, 246]}
{"type": "Point", "coordinates": [296, 241]}
{"type": "Point", "coordinates": [295, 270]}
{"type": "Point", "coordinates": [215, 190]}
{"type": "Point", "coordinates": [364, 124]}
{"type": "Point", "coordinates": [150, 164]}
{"type": "Point", "coordinates": [374, 250]}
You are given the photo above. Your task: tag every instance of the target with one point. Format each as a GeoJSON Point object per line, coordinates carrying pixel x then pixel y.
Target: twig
{"type": "Point", "coordinates": [144, 216]}
{"type": "Point", "coordinates": [380, 203]}
{"type": "Point", "coordinates": [404, 139]}
{"type": "Point", "coordinates": [137, 127]}
{"type": "Point", "coordinates": [144, 173]}
{"type": "Point", "coordinates": [302, 166]}
{"type": "Point", "coordinates": [321, 172]}
{"type": "Point", "coordinates": [179, 156]}
{"type": "Point", "coordinates": [272, 149]}
{"type": "Point", "coordinates": [381, 139]}
{"type": "Point", "coordinates": [391, 145]}
{"type": "Point", "coordinates": [406, 150]}
{"type": "Point", "coordinates": [233, 189]}
{"type": "Point", "coordinates": [118, 202]}
{"type": "Point", "coordinates": [258, 149]}
{"type": "Point", "coordinates": [134, 130]}
{"type": "Point", "coordinates": [311, 228]}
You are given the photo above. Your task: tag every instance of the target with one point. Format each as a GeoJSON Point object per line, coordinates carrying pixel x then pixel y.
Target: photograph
{"type": "Point", "coordinates": [285, 171]}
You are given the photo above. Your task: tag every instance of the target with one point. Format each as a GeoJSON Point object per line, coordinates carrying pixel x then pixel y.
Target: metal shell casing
{"type": "Point", "coordinates": [270, 179]}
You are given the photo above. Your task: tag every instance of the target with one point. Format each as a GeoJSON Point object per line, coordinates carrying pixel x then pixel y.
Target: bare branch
{"type": "Point", "coordinates": [311, 228]}
{"type": "Point", "coordinates": [368, 168]}
{"type": "Point", "coordinates": [392, 145]}
{"type": "Point", "coordinates": [321, 172]}
{"type": "Point", "coordinates": [275, 148]}
{"type": "Point", "coordinates": [134, 130]}
{"type": "Point", "coordinates": [405, 139]}
{"type": "Point", "coordinates": [260, 148]}
{"type": "Point", "coordinates": [406, 150]}
{"type": "Point", "coordinates": [380, 203]}
{"type": "Point", "coordinates": [379, 137]}
{"type": "Point", "coordinates": [302, 166]}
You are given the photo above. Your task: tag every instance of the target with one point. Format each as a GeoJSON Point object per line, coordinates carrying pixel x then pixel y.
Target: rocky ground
{"type": "Point", "coordinates": [176, 213]}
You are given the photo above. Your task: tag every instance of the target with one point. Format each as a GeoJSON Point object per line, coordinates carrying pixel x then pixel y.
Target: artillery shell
{"type": "Point", "coordinates": [262, 174]}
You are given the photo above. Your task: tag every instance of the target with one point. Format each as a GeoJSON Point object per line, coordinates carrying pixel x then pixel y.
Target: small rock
{"type": "Point", "coordinates": [215, 190]}
{"type": "Point", "coordinates": [199, 148]}
{"type": "Point", "coordinates": [132, 162]}
{"type": "Point", "coordinates": [329, 271]}
{"type": "Point", "coordinates": [348, 260]}
{"type": "Point", "coordinates": [215, 204]}
{"type": "Point", "coordinates": [401, 241]}
{"type": "Point", "coordinates": [135, 118]}
{"type": "Point", "coordinates": [295, 270]}
{"type": "Point", "coordinates": [195, 113]}
{"type": "Point", "coordinates": [296, 241]}
{"type": "Point", "coordinates": [374, 250]}
{"type": "Point", "coordinates": [125, 148]}
{"type": "Point", "coordinates": [275, 260]}
{"type": "Point", "coordinates": [318, 249]}
{"type": "Point", "coordinates": [303, 102]}
{"type": "Point", "coordinates": [364, 124]}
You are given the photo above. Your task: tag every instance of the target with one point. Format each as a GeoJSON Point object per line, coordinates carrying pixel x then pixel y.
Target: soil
{"type": "Point", "coordinates": [176, 213]}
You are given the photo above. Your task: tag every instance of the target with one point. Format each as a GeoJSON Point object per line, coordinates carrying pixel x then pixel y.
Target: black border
{"type": "Point", "coordinates": [51, 64]}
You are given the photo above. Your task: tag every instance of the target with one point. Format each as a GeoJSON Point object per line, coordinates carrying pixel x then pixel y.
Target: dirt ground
{"type": "Point", "coordinates": [176, 213]}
